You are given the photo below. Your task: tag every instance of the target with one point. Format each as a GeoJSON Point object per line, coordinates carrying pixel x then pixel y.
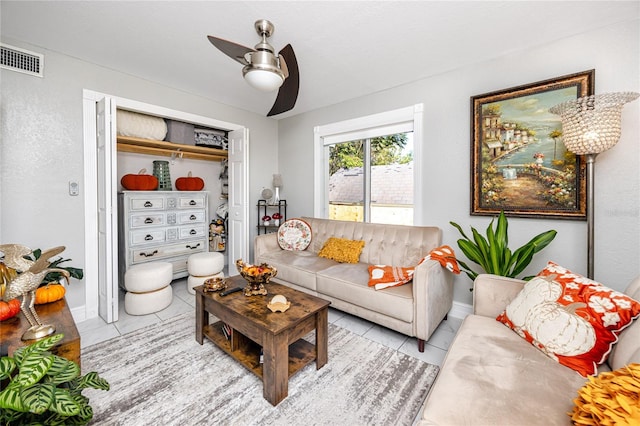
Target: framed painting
{"type": "Point", "coordinates": [518, 161]}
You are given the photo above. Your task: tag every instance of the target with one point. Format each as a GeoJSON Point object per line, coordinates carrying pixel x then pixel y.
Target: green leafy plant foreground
{"type": "Point", "coordinates": [40, 388]}
{"type": "Point", "coordinates": [492, 253]}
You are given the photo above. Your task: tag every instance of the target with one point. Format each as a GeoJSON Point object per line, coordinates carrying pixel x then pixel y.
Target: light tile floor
{"type": "Point", "coordinates": [95, 330]}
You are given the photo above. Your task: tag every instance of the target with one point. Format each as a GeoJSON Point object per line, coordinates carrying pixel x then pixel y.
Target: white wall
{"type": "Point", "coordinates": [41, 148]}
{"type": "Point", "coordinates": [613, 52]}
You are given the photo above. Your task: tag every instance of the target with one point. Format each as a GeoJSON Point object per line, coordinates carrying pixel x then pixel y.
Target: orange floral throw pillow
{"type": "Point", "coordinates": [572, 319]}
{"type": "Point", "coordinates": [382, 276]}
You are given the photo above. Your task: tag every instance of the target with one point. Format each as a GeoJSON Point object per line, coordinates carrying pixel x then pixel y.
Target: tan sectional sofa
{"type": "Point", "coordinates": [414, 309]}
{"type": "Point", "coordinates": [491, 376]}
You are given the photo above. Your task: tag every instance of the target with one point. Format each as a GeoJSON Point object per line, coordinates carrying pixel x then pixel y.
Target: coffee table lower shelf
{"type": "Point", "coordinates": [247, 352]}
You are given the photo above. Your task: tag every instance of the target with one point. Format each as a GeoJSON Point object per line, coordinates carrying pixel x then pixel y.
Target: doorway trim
{"type": "Point", "coordinates": [91, 260]}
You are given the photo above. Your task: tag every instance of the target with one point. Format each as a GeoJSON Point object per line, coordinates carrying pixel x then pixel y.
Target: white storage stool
{"type": "Point", "coordinates": [202, 266]}
{"type": "Point", "coordinates": [148, 288]}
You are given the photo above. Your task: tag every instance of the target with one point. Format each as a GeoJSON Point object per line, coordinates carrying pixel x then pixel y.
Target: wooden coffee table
{"type": "Point", "coordinates": [279, 334]}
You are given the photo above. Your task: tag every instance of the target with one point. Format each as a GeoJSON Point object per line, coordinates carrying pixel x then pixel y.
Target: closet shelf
{"type": "Point", "coordinates": [167, 149]}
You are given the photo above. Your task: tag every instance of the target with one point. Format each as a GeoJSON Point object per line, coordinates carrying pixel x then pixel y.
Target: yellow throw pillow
{"type": "Point", "coordinates": [611, 398]}
{"type": "Point", "coordinates": [342, 250]}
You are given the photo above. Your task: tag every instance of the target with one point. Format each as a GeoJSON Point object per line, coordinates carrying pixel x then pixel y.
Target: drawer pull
{"type": "Point", "coordinates": [192, 203]}
{"type": "Point", "coordinates": [193, 247]}
{"type": "Point", "coordinates": [148, 204]}
{"type": "Point", "coordinates": [192, 217]}
{"type": "Point", "coordinates": [148, 237]}
{"type": "Point", "coordinates": [148, 220]}
{"type": "Point", "coordinates": [149, 254]}
{"type": "Point", "coordinates": [193, 232]}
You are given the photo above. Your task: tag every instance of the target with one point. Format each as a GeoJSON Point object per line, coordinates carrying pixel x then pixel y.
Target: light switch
{"type": "Point", "coordinates": [74, 188]}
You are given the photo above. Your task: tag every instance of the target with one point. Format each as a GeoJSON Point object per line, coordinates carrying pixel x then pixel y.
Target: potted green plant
{"type": "Point", "coordinates": [43, 388]}
{"type": "Point", "coordinates": [492, 253]}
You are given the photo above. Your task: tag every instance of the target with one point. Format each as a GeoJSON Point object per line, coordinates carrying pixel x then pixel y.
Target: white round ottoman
{"type": "Point", "coordinates": [148, 288]}
{"type": "Point", "coordinates": [202, 266]}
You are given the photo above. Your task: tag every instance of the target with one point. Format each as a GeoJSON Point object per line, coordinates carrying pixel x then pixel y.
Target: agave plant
{"type": "Point", "coordinates": [43, 388]}
{"type": "Point", "coordinates": [492, 253]}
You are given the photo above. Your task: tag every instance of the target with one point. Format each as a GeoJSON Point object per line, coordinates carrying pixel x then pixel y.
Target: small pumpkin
{"type": "Point", "coordinates": [50, 293]}
{"type": "Point", "coordinates": [9, 309]}
{"type": "Point", "coordinates": [139, 182]}
{"type": "Point", "coordinates": [189, 183]}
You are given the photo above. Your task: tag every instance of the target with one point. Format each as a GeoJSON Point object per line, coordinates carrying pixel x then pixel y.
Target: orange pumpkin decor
{"type": "Point", "coordinates": [139, 182]}
{"type": "Point", "coordinates": [189, 183]}
{"type": "Point", "coordinates": [9, 309]}
{"type": "Point", "coordinates": [50, 293]}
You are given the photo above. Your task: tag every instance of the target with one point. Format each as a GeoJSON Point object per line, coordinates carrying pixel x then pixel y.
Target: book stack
{"type": "Point", "coordinates": [227, 331]}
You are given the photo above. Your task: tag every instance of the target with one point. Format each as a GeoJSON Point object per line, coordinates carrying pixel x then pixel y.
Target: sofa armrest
{"type": "Point", "coordinates": [432, 297]}
{"type": "Point", "coordinates": [263, 244]}
{"type": "Point", "coordinates": [492, 294]}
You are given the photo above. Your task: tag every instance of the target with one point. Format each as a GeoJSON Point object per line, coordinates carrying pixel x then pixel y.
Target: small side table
{"type": "Point", "coordinates": [55, 313]}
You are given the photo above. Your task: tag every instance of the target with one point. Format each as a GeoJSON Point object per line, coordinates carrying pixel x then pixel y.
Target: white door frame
{"type": "Point", "coordinates": [91, 177]}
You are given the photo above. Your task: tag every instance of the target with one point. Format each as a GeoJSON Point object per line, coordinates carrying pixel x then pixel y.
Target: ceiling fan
{"type": "Point", "coordinates": [263, 69]}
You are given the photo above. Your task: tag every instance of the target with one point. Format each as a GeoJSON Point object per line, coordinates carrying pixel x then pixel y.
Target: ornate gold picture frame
{"type": "Point", "coordinates": [518, 161]}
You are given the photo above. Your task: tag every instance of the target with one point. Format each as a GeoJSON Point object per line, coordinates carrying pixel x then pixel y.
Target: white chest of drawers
{"type": "Point", "coordinates": [163, 226]}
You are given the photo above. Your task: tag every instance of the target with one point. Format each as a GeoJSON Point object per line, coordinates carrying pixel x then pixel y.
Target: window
{"type": "Point", "coordinates": [366, 168]}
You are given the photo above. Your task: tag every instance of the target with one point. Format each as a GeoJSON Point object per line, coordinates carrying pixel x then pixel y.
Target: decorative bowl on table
{"type": "Point", "coordinates": [214, 284]}
{"type": "Point", "coordinates": [256, 276]}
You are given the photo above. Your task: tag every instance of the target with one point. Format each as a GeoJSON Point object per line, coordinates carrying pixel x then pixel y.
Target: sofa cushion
{"type": "Point", "coordinates": [294, 234]}
{"type": "Point", "coordinates": [348, 282]}
{"type": "Point", "coordinates": [298, 267]}
{"type": "Point", "coordinates": [572, 319]}
{"type": "Point", "coordinates": [397, 245]}
{"type": "Point", "coordinates": [627, 350]}
{"type": "Point", "coordinates": [342, 250]}
{"type": "Point", "coordinates": [491, 376]}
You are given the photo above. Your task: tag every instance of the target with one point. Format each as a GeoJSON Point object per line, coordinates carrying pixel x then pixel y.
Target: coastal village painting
{"type": "Point", "coordinates": [519, 162]}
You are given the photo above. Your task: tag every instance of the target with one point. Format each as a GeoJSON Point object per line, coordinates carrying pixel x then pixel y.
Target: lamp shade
{"type": "Point", "coordinates": [277, 181]}
{"type": "Point", "coordinates": [591, 124]}
{"type": "Point", "coordinates": [264, 80]}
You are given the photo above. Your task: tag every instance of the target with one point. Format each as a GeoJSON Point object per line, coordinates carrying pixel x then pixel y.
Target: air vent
{"type": "Point", "coordinates": [20, 60]}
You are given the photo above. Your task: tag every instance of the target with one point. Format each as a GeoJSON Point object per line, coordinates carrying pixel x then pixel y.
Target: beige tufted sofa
{"type": "Point", "coordinates": [491, 376]}
{"type": "Point", "coordinates": [414, 309]}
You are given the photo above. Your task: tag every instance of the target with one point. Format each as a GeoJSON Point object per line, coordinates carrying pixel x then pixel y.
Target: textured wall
{"type": "Point", "coordinates": [612, 51]}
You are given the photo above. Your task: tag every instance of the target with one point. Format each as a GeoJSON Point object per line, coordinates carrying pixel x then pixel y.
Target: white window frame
{"type": "Point", "coordinates": [401, 120]}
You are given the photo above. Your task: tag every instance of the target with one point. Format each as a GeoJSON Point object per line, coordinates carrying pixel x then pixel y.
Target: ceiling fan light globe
{"type": "Point", "coordinates": [264, 80]}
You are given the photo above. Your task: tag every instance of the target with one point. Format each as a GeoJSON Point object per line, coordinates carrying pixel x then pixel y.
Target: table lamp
{"type": "Point", "coordinates": [277, 184]}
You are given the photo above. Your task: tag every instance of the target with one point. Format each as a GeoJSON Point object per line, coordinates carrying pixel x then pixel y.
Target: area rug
{"type": "Point", "coordinates": [160, 375]}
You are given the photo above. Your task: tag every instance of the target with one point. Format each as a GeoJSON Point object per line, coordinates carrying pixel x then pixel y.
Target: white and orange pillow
{"type": "Point", "coordinates": [572, 319]}
{"type": "Point", "coordinates": [383, 276]}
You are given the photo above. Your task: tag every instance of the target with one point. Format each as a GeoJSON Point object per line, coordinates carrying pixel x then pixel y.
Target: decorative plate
{"type": "Point", "coordinates": [294, 235]}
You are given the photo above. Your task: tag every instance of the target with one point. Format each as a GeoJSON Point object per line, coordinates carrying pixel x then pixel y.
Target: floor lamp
{"type": "Point", "coordinates": [591, 125]}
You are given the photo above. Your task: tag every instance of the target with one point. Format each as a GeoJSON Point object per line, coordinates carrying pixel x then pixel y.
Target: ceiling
{"type": "Point", "coordinates": [345, 49]}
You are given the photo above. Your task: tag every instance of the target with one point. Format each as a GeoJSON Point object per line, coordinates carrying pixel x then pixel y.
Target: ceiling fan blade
{"type": "Point", "coordinates": [288, 92]}
{"type": "Point", "coordinates": [233, 50]}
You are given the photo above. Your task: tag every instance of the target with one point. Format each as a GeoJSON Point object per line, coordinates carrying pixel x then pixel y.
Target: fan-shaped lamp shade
{"type": "Point", "coordinates": [264, 80]}
{"type": "Point", "coordinates": [591, 125]}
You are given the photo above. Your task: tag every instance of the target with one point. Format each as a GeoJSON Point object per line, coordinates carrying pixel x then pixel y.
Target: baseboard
{"type": "Point", "coordinates": [460, 310]}
{"type": "Point", "coordinates": [79, 314]}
